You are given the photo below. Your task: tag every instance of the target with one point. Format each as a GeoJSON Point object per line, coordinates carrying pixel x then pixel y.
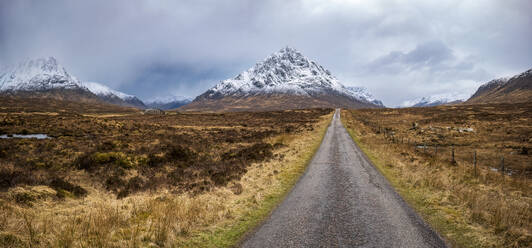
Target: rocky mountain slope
{"type": "Point", "coordinates": [45, 77]}
{"type": "Point", "coordinates": [284, 80]}
{"type": "Point", "coordinates": [505, 90]}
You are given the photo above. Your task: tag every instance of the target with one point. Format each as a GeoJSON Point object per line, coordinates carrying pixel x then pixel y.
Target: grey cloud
{"type": "Point", "coordinates": [430, 54]}
{"type": "Point", "coordinates": [413, 47]}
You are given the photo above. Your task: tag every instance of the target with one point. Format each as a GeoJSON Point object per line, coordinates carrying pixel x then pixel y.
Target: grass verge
{"type": "Point", "coordinates": [450, 230]}
{"type": "Point", "coordinates": [453, 202]}
{"type": "Point", "coordinates": [229, 234]}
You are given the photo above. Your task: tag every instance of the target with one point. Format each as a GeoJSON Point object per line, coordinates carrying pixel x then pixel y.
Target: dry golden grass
{"type": "Point", "coordinates": [471, 209]}
{"type": "Point", "coordinates": [162, 218]}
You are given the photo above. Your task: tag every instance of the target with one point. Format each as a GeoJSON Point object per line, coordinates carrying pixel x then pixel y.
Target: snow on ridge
{"type": "Point", "coordinates": [437, 99]}
{"type": "Point", "coordinates": [498, 81]}
{"type": "Point", "coordinates": [103, 90]}
{"type": "Point", "coordinates": [364, 94]}
{"type": "Point", "coordinates": [288, 72]}
{"type": "Point", "coordinates": [504, 80]}
{"type": "Point", "coordinates": [168, 99]}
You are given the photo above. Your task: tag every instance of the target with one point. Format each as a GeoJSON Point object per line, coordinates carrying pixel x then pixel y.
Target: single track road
{"type": "Point", "coordinates": [343, 201]}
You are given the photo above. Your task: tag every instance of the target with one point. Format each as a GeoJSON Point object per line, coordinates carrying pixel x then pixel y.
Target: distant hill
{"type": "Point", "coordinates": [44, 77]}
{"type": "Point", "coordinates": [168, 102]}
{"type": "Point", "coordinates": [284, 80]}
{"type": "Point", "coordinates": [515, 89]}
{"type": "Point", "coordinates": [435, 100]}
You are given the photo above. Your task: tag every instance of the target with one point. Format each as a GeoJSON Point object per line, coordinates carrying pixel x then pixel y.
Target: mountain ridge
{"type": "Point", "coordinates": [435, 100]}
{"type": "Point", "coordinates": [168, 102]}
{"type": "Point", "coordinates": [514, 89]}
{"type": "Point", "coordinates": [45, 77]}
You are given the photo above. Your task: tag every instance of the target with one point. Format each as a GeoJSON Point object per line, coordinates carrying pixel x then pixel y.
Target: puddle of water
{"type": "Point", "coordinates": [25, 136]}
{"type": "Point", "coordinates": [506, 171]}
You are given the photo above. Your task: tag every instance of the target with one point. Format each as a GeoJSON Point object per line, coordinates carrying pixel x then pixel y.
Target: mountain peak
{"type": "Point", "coordinates": [34, 74]}
{"type": "Point", "coordinates": [288, 52]}
{"type": "Point", "coordinates": [43, 74]}
{"type": "Point", "coordinates": [289, 73]}
{"type": "Point", "coordinates": [286, 71]}
{"type": "Point", "coordinates": [43, 64]}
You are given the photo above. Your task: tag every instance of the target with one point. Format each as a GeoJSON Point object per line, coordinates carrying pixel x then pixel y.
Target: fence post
{"type": "Point", "coordinates": [453, 161]}
{"type": "Point", "coordinates": [502, 165]}
{"type": "Point", "coordinates": [475, 163]}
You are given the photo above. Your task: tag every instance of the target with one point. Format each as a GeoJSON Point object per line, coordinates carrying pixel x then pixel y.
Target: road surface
{"type": "Point", "coordinates": [343, 201]}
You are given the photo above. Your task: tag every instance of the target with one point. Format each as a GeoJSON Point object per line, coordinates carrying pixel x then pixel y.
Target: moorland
{"type": "Point", "coordinates": [466, 168]}
{"type": "Point", "coordinates": [111, 176]}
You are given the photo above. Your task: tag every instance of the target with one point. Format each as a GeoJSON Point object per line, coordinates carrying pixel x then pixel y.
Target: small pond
{"type": "Point", "coordinates": [25, 136]}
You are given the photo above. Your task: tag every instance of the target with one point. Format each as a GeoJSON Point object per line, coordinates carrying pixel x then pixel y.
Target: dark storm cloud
{"type": "Point", "coordinates": [398, 49]}
{"type": "Point", "coordinates": [432, 54]}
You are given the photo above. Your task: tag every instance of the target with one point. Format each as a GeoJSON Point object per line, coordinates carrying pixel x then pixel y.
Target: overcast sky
{"type": "Point", "coordinates": [399, 50]}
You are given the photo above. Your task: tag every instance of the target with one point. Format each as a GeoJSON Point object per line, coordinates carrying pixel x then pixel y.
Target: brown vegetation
{"type": "Point", "coordinates": [125, 178]}
{"type": "Point", "coordinates": [480, 206]}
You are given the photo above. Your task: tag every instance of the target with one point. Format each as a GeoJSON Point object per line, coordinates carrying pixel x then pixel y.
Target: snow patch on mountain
{"type": "Point", "coordinates": [168, 99]}
{"type": "Point", "coordinates": [285, 72]}
{"type": "Point", "coordinates": [363, 93]}
{"type": "Point", "coordinates": [168, 102]}
{"type": "Point", "coordinates": [102, 90]}
{"type": "Point", "coordinates": [494, 83]}
{"type": "Point", "coordinates": [435, 100]}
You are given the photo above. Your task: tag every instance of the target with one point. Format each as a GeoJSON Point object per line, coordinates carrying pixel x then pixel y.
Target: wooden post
{"type": "Point", "coordinates": [475, 164]}
{"type": "Point", "coordinates": [452, 155]}
{"type": "Point", "coordinates": [435, 150]}
{"type": "Point", "coordinates": [502, 165]}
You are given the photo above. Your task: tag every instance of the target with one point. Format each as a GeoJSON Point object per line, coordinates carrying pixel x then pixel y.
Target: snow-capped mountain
{"type": "Point", "coordinates": [284, 73]}
{"type": "Point", "coordinates": [435, 100]}
{"type": "Point", "coordinates": [37, 74]}
{"type": "Point", "coordinates": [168, 102]}
{"type": "Point", "coordinates": [363, 93]}
{"type": "Point", "coordinates": [46, 74]}
{"type": "Point", "coordinates": [508, 90]}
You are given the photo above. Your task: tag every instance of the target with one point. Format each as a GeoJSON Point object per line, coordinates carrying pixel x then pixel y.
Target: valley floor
{"type": "Point", "coordinates": [120, 179]}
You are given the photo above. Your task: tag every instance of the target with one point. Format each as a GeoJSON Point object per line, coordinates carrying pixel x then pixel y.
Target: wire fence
{"type": "Point", "coordinates": [511, 163]}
